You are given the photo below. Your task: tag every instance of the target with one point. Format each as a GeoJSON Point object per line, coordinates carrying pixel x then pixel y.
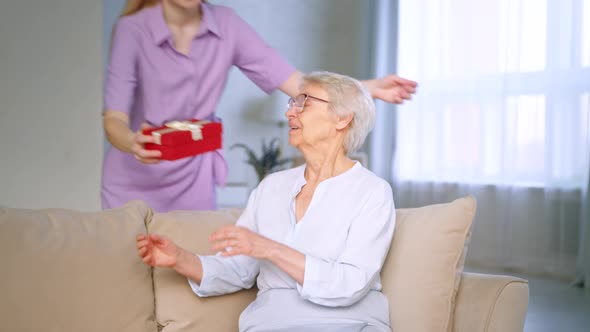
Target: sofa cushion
{"type": "Point", "coordinates": [422, 272]}
{"type": "Point", "coordinates": [177, 307]}
{"type": "Point", "coordinates": [64, 270]}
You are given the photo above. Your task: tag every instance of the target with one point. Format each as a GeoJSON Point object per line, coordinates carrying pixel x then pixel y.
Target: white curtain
{"type": "Point", "coordinates": [501, 113]}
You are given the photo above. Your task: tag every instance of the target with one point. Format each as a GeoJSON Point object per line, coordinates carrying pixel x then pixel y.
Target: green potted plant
{"type": "Point", "coordinates": [269, 161]}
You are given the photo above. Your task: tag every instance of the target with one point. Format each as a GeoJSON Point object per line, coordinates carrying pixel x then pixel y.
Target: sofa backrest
{"type": "Point", "coordinates": [64, 270]}
{"type": "Point", "coordinates": [420, 276]}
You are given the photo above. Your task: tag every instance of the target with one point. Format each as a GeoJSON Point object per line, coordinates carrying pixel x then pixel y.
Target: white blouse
{"type": "Point", "coordinates": [345, 235]}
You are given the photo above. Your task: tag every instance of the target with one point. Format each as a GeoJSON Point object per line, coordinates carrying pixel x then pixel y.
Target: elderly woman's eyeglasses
{"type": "Point", "coordinates": [299, 101]}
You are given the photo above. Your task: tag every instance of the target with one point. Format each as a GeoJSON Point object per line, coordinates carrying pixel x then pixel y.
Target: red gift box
{"type": "Point", "coordinates": [180, 139]}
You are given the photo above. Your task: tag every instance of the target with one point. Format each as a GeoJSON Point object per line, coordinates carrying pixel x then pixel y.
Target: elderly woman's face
{"type": "Point", "coordinates": [313, 124]}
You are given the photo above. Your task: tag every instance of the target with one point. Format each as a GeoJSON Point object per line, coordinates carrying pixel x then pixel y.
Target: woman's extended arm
{"type": "Point", "coordinates": [390, 88]}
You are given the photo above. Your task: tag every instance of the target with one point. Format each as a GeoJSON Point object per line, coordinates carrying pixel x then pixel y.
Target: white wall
{"type": "Point", "coordinates": [50, 100]}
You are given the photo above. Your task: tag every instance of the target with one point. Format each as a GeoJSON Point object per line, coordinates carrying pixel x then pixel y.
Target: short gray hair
{"type": "Point", "coordinates": [347, 96]}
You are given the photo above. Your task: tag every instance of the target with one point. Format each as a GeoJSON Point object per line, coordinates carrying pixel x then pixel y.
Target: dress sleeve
{"type": "Point", "coordinates": [223, 275]}
{"type": "Point", "coordinates": [348, 279]}
{"type": "Point", "coordinates": [121, 75]}
{"type": "Point", "coordinates": [261, 63]}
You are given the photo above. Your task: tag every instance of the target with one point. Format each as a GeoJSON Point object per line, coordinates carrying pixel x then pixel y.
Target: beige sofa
{"type": "Point", "coordinates": [64, 270]}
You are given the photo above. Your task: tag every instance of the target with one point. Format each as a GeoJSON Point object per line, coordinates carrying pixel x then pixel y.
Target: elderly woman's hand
{"type": "Point", "coordinates": [157, 251]}
{"type": "Point", "coordinates": [235, 240]}
{"type": "Point", "coordinates": [391, 88]}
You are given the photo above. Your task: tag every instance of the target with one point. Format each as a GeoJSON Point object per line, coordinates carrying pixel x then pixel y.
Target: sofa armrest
{"type": "Point", "coordinates": [490, 303]}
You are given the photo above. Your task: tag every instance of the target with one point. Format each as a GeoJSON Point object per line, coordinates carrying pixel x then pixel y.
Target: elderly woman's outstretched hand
{"type": "Point", "coordinates": [391, 88]}
{"type": "Point", "coordinates": [156, 250]}
{"type": "Point", "coordinates": [235, 240]}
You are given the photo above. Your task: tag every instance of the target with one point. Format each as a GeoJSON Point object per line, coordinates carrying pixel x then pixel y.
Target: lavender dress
{"type": "Point", "coordinates": [152, 82]}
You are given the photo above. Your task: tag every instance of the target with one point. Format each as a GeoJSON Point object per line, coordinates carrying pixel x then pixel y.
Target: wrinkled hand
{"type": "Point", "coordinates": [138, 148]}
{"type": "Point", "coordinates": [157, 251]}
{"type": "Point", "coordinates": [391, 88]}
{"type": "Point", "coordinates": [235, 240]}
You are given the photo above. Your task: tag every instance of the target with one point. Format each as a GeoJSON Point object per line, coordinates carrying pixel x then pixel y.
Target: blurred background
{"type": "Point", "coordinates": [501, 113]}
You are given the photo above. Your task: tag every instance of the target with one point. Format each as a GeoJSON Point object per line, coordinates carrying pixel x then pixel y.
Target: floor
{"type": "Point", "coordinates": [554, 305]}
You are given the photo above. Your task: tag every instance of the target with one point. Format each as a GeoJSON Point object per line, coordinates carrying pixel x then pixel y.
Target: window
{"type": "Point", "coordinates": [503, 94]}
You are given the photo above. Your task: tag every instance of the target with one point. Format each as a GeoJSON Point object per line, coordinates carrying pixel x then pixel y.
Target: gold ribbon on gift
{"type": "Point", "coordinates": [193, 127]}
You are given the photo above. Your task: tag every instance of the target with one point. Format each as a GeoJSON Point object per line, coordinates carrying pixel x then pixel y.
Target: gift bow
{"type": "Point", "coordinates": [193, 127]}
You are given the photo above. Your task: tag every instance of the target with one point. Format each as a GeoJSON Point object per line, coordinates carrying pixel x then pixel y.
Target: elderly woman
{"type": "Point", "coordinates": [314, 237]}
